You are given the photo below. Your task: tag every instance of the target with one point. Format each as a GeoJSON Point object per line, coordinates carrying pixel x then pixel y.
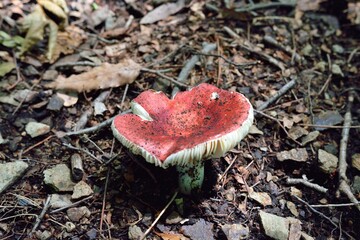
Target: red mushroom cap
{"type": "Point", "coordinates": [203, 122]}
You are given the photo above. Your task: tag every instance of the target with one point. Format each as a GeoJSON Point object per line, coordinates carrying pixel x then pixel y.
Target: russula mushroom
{"type": "Point", "coordinates": [195, 125]}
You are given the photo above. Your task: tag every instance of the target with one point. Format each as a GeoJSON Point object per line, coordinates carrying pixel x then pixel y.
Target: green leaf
{"type": "Point", "coordinates": [6, 67]}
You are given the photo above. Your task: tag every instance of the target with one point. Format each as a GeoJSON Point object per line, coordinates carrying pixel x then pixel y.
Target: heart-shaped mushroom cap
{"type": "Point", "coordinates": [203, 122]}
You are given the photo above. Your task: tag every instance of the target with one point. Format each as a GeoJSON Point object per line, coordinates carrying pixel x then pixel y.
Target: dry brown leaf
{"type": "Point", "coordinates": [171, 236]}
{"type": "Point", "coordinates": [308, 5]}
{"type": "Point", "coordinates": [162, 12]}
{"type": "Point", "coordinates": [67, 41]}
{"type": "Point", "coordinates": [105, 76]}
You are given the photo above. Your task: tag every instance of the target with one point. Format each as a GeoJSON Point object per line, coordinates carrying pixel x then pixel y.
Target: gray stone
{"type": "Point", "coordinates": [59, 178]}
{"type": "Point", "coordinates": [55, 103]}
{"type": "Point", "coordinates": [75, 214]}
{"type": "Point", "coordinates": [236, 231]}
{"type": "Point", "coordinates": [59, 201]}
{"type": "Point", "coordinates": [338, 49]}
{"type": "Point", "coordinates": [50, 75]}
{"type": "Point", "coordinates": [327, 162]}
{"type": "Point", "coordinates": [275, 227]}
{"type": "Point", "coordinates": [10, 172]}
{"type": "Point", "coordinates": [81, 189]}
{"type": "Point", "coordinates": [309, 137]}
{"type": "Point", "coordinates": [35, 129]}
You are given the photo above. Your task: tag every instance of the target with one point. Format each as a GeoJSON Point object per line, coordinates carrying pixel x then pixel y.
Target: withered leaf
{"type": "Point", "coordinates": [162, 12]}
{"type": "Point", "coordinates": [105, 76]}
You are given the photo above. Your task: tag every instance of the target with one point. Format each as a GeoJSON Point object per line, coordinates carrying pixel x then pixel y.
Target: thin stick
{"type": "Point", "coordinates": [279, 123]}
{"type": "Point", "coordinates": [253, 7]}
{"type": "Point", "coordinates": [185, 71]}
{"type": "Point", "coordinates": [240, 65]}
{"type": "Point", "coordinates": [82, 150]}
{"type": "Point", "coordinates": [324, 216]}
{"type": "Point", "coordinates": [277, 95]}
{"type": "Point", "coordinates": [104, 200]}
{"type": "Point", "coordinates": [42, 214]}
{"type": "Point", "coordinates": [335, 205]}
{"type": "Point", "coordinates": [228, 168]}
{"type": "Point", "coordinates": [95, 128]}
{"type": "Point", "coordinates": [37, 144]}
{"type": "Point", "coordinates": [124, 96]}
{"type": "Point", "coordinates": [251, 49]}
{"type": "Point", "coordinates": [327, 126]}
{"type": "Point", "coordinates": [176, 82]}
{"type": "Point", "coordinates": [159, 216]}
{"type": "Point", "coordinates": [287, 49]}
{"type": "Point", "coordinates": [71, 205]}
{"type": "Point", "coordinates": [304, 182]}
{"type": "Point", "coordinates": [169, 55]}
{"type": "Point", "coordinates": [343, 180]}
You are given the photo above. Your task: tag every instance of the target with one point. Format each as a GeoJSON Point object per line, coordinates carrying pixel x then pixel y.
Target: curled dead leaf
{"type": "Point", "coordinates": [105, 76]}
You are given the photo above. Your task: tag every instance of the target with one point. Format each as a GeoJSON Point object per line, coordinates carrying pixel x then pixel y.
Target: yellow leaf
{"type": "Point", "coordinates": [62, 4]}
{"type": "Point", "coordinates": [52, 39]}
{"type": "Point", "coordinates": [34, 24]}
{"type": "Point", "coordinates": [56, 10]}
{"type": "Point", "coordinates": [6, 67]}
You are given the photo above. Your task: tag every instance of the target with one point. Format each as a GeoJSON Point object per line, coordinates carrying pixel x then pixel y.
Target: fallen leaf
{"type": "Point", "coordinates": [6, 67]}
{"type": "Point", "coordinates": [261, 197]}
{"type": "Point", "coordinates": [33, 24]}
{"type": "Point", "coordinates": [171, 236]}
{"type": "Point", "coordinates": [162, 12]}
{"type": "Point", "coordinates": [56, 7]}
{"type": "Point", "coordinates": [105, 76]}
{"type": "Point", "coordinates": [296, 154]}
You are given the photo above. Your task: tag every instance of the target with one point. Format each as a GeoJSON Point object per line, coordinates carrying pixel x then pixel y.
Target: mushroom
{"type": "Point", "coordinates": [195, 125]}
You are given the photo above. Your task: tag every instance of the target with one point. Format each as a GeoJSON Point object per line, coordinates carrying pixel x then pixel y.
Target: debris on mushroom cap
{"type": "Point", "coordinates": [200, 123]}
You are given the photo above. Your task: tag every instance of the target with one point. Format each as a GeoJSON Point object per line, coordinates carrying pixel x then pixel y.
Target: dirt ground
{"type": "Point", "coordinates": [297, 63]}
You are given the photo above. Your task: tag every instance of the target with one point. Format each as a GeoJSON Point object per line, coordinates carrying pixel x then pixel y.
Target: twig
{"type": "Point", "coordinates": [343, 180]}
{"type": "Point", "coordinates": [169, 55]}
{"type": "Point", "coordinates": [41, 216]}
{"type": "Point", "coordinates": [176, 82]}
{"type": "Point", "coordinates": [240, 65]}
{"type": "Point", "coordinates": [328, 80]}
{"type": "Point", "coordinates": [287, 49]}
{"type": "Point", "coordinates": [324, 216]}
{"type": "Point", "coordinates": [185, 71]}
{"type": "Point", "coordinates": [251, 49]}
{"type": "Point", "coordinates": [253, 7]}
{"type": "Point", "coordinates": [124, 95]}
{"type": "Point", "coordinates": [104, 199]}
{"type": "Point", "coordinates": [82, 150]}
{"type": "Point", "coordinates": [306, 183]}
{"type": "Point", "coordinates": [159, 216]}
{"type": "Point", "coordinates": [335, 205]}
{"type": "Point", "coordinates": [131, 155]}
{"type": "Point", "coordinates": [352, 55]}
{"type": "Point", "coordinates": [278, 94]}
{"type": "Point", "coordinates": [327, 126]}
{"type": "Point", "coordinates": [279, 123]}
{"type": "Point", "coordinates": [37, 144]}
{"type": "Point", "coordinates": [228, 168]}
{"type": "Point", "coordinates": [95, 128]}
{"type": "Point", "coordinates": [71, 205]}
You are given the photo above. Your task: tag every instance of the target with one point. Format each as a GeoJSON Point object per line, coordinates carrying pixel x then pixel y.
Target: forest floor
{"type": "Point", "coordinates": [299, 166]}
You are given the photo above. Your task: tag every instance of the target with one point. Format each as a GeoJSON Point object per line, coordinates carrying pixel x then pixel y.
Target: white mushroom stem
{"type": "Point", "coordinates": [191, 177]}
